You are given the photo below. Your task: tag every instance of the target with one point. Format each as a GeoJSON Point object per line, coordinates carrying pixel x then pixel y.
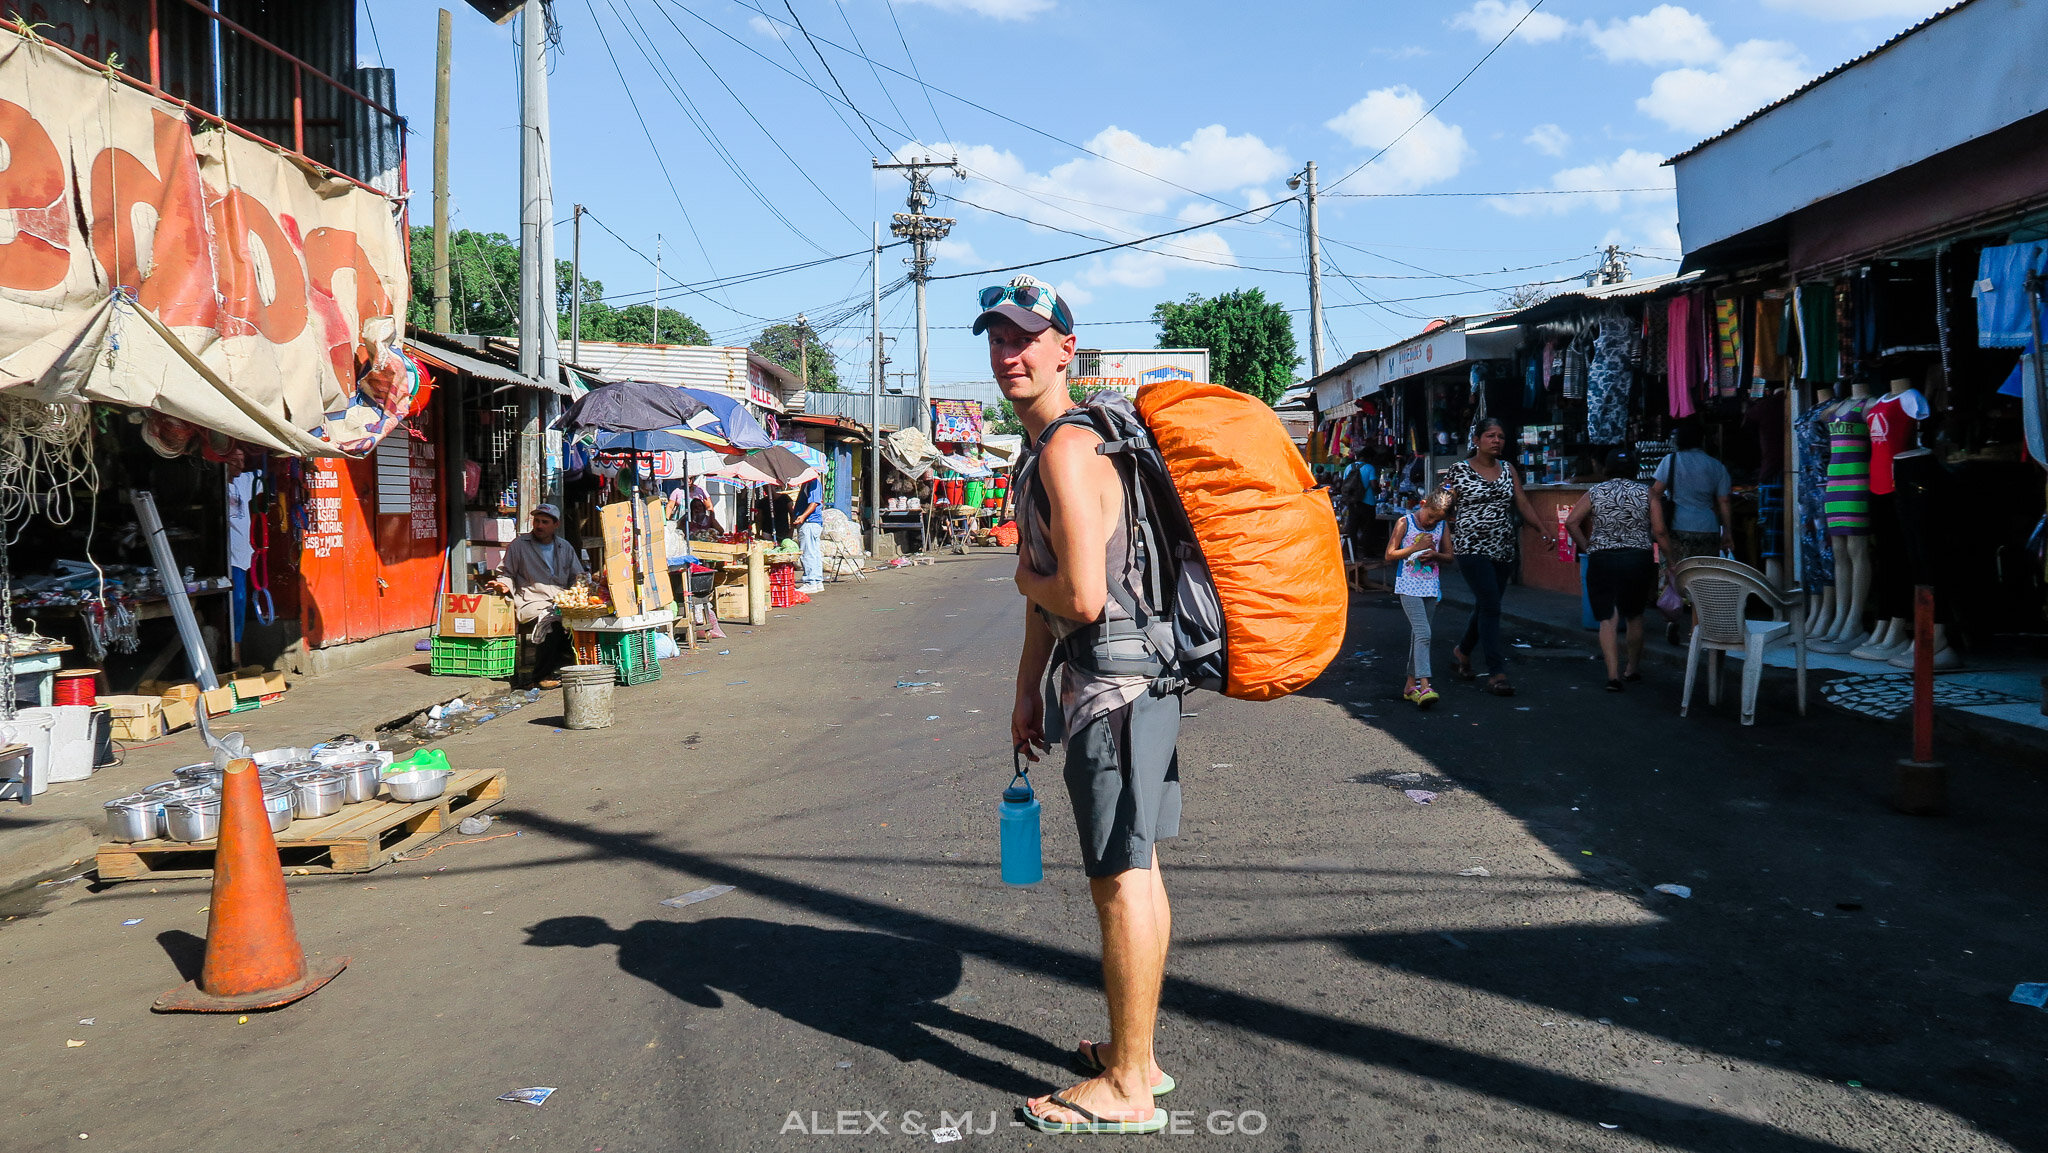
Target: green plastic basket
{"type": "Point", "coordinates": [631, 655]}
{"type": "Point", "coordinates": [473, 656]}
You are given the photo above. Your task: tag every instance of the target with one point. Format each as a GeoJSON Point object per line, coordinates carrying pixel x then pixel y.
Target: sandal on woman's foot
{"type": "Point", "coordinates": [1500, 687]}
{"type": "Point", "coordinates": [1462, 665]}
{"type": "Point", "coordinates": [1425, 699]}
{"type": "Point", "coordinates": [1613, 686]}
{"type": "Point", "coordinates": [1094, 1123]}
{"type": "Point", "coordinates": [1084, 1056]}
{"type": "Point", "coordinates": [1632, 678]}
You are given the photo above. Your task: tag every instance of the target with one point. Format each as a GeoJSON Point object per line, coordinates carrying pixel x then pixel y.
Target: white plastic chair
{"type": "Point", "coordinates": [1720, 591]}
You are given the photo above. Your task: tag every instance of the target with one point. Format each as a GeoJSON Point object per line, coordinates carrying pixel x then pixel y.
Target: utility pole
{"type": "Point", "coordinates": [657, 288]}
{"type": "Point", "coordinates": [1307, 176]}
{"type": "Point", "coordinates": [576, 285]}
{"type": "Point", "coordinates": [1613, 265]}
{"type": "Point", "coordinates": [922, 231]}
{"type": "Point", "coordinates": [803, 360]}
{"type": "Point", "coordinates": [443, 66]}
{"type": "Point", "coordinates": [875, 403]}
{"type": "Point", "coordinates": [874, 501]}
{"type": "Point", "coordinates": [536, 253]}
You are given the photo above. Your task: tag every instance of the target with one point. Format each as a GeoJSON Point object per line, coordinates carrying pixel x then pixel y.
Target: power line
{"type": "Point", "coordinates": [834, 77]}
{"type": "Point", "coordinates": [1489, 195]}
{"type": "Point", "coordinates": [872, 70]}
{"type": "Point", "coordinates": [912, 60]}
{"type": "Point", "coordinates": [800, 169]}
{"type": "Point", "coordinates": [1431, 110]}
{"type": "Point", "coordinates": [1114, 247]}
{"type": "Point", "coordinates": [1085, 236]}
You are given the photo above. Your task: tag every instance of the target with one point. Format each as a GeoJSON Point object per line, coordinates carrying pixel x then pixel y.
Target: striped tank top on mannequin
{"type": "Point", "coordinates": [1848, 489]}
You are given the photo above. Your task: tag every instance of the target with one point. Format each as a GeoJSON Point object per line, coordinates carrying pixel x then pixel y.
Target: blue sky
{"type": "Point", "coordinates": [1192, 111]}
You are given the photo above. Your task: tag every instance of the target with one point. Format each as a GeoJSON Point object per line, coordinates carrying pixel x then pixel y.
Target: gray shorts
{"type": "Point", "coordinates": [1123, 777]}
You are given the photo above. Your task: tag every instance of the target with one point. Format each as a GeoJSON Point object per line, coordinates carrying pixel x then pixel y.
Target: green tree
{"type": "Point", "coordinates": [781, 342]}
{"type": "Point", "coordinates": [483, 289]}
{"type": "Point", "coordinates": [1250, 339]}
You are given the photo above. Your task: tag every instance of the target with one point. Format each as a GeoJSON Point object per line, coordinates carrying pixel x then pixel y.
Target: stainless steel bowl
{"type": "Point", "coordinates": [135, 818]}
{"type": "Point", "coordinates": [192, 819]}
{"type": "Point", "coordinates": [316, 794]}
{"type": "Point", "coordinates": [359, 779]}
{"type": "Point", "coordinates": [277, 803]}
{"type": "Point", "coordinates": [417, 785]}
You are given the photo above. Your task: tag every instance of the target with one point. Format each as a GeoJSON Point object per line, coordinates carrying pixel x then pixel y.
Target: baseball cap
{"type": "Point", "coordinates": [547, 510]}
{"type": "Point", "coordinates": [1027, 302]}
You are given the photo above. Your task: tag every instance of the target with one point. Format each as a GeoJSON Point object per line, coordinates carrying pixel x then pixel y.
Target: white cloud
{"type": "Point", "coordinates": [1639, 217]}
{"type": "Point", "coordinates": [1860, 9]}
{"type": "Point", "coordinates": [765, 27]}
{"type": "Point", "coordinates": [1150, 185]}
{"type": "Point", "coordinates": [958, 251]}
{"type": "Point", "coordinates": [1548, 139]}
{"type": "Point", "coordinates": [1430, 153]}
{"type": "Point", "coordinates": [994, 9]}
{"type": "Point", "coordinates": [1705, 101]}
{"type": "Point", "coordinates": [1492, 19]}
{"type": "Point", "coordinates": [1666, 34]}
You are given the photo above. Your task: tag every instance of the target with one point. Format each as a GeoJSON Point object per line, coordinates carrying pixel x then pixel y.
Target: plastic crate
{"type": "Point", "coordinates": [473, 656]}
{"type": "Point", "coordinates": [631, 655]}
{"type": "Point", "coordinates": [584, 644]}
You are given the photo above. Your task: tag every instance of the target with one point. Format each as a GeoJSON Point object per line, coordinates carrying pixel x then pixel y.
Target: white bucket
{"type": "Point", "coordinates": [71, 751]}
{"type": "Point", "coordinates": [31, 727]}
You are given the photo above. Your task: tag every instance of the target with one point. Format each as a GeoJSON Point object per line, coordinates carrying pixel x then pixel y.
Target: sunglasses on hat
{"type": "Point", "coordinates": [1033, 298]}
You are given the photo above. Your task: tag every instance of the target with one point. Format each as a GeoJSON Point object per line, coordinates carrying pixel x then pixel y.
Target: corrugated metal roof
{"type": "Point", "coordinates": [1823, 78]}
{"type": "Point", "coordinates": [439, 354]}
{"type": "Point", "coordinates": [1565, 302]}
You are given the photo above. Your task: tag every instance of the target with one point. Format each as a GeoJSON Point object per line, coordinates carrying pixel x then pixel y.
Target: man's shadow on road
{"type": "Point", "coordinates": [873, 989]}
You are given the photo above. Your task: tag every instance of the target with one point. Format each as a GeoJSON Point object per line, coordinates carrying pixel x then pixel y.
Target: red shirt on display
{"type": "Point", "coordinates": [1892, 423]}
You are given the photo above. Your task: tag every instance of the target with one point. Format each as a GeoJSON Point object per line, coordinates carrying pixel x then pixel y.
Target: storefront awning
{"type": "Point", "coordinates": [448, 360]}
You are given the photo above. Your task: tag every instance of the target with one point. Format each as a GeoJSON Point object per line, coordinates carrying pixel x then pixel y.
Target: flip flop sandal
{"type": "Point", "coordinates": [1500, 688]}
{"type": "Point", "coordinates": [1613, 686]}
{"type": "Point", "coordinates": [1084, 1056]}
{"type": "Point", "coordinates": [1632, 678]}
{"type": "Point", "coordinates": [1094, 1124]}
{"type": "Point", "coordinates": [1424, 700]}
{"type": "Point", "coordinates": [1462, 665]}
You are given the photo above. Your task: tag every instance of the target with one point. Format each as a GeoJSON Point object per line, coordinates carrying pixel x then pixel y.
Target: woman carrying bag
{"type": "Point", "coordinates": [1488, 493]}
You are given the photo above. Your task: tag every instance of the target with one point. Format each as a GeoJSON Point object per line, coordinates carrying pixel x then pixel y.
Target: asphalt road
{"type": "Point", "coordinates": [1343, 977]}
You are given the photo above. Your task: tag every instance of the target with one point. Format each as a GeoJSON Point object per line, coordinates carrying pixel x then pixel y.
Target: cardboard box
{"type": "Point", "coordinates": [122, 707]}
{"type": "Point", "coordinates": [247, 688]}
{"type": "Point", "coordinates": [657, 593]}
{"type": "Point", "coordinates": [186, 691]}
{"type": "Point", "coordinates": [178, 714]}
{"type": "Point", "coordinates": [730, 601]}
{"type": "Point", "coordinates": [273, 683]}
{"type": "Point", "coordinates": [218, 701]}
{"type": "Point", "coordinates": [616, 548]}
{"type": "Point", "coordinates": [474, 615]}
{"type": "Point", "coordinates": [136, 730]}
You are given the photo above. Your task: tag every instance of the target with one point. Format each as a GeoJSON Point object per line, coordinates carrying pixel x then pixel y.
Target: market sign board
{"type": "Point", "coordinates": [208, 278]}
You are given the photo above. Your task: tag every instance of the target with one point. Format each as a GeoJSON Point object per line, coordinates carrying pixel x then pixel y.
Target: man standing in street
{"type": "Point", "coordinates": [538, 564]}
{"type": "Point", "coordinates": [810, 532]}
{"type": "Point", "coordinates": [1121, 773]}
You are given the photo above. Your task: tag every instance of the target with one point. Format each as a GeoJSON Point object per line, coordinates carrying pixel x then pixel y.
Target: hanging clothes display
{"type": "Point", "coordinates": [1817, 558]}
{"type": "Point", "coordinates": [1727, 347]}
{"type": "Point", "coordinates": [1820, 340]}
{"type": "Point", "coordinates": [1848, 486]}
{"type": "Point", "coordinates": [1681, 352]}
{"type": "Point", "coordinates": [1607, 381]}
{"type": "Point", "coordinates": [2001, 292]}
{"type": "Point", "coordinates": [1768, 365]}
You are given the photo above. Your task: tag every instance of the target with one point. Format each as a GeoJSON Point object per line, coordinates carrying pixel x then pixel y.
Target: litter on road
{"type": "Point", "coordinates": [696, 895]}
{"type": "Point", "coordinates": [532, 1096]}
{"type": "Point", "coordinates": [1419, 796]}
{"type": "Point", "coordinates": [1475, 871]}
{"type": "Point", "coordinates": [1676, 890]}
{"type": "Point", "coordinates": [136, 921]}
{"type": "Point", "coordinates": [2033, 993]}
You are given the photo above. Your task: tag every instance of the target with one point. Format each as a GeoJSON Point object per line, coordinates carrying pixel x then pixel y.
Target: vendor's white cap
{"type": "Point", "coordinates": [547, 510]}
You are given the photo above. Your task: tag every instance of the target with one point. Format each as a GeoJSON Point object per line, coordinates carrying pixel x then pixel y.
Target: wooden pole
{"type": "Point", "coordinates": [1922, 782]}
{"type": "Point", "coordinates": [443, 319]}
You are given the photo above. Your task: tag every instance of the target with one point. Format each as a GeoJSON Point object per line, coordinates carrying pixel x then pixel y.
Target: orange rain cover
{"type": "Point", "coordinates": [1268, 533]}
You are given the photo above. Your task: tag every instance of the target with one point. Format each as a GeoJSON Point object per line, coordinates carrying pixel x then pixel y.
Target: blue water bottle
{"type": "Point", "coordinates": [1022, 858]}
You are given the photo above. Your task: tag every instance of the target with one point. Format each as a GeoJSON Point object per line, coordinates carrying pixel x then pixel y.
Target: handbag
{"type": "Point", "coordinates": [1669, 602]}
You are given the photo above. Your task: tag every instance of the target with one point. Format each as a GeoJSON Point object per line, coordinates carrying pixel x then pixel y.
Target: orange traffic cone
{"type": "Point", "coordinates": [253, 956]}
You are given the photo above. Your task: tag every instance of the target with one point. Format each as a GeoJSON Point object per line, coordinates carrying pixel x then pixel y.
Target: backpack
{"type": "Point", "coordinates": [1235, 578]}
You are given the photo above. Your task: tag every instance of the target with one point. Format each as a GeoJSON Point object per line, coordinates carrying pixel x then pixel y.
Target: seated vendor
{"type": "Point", "coordinates": [538, 565]}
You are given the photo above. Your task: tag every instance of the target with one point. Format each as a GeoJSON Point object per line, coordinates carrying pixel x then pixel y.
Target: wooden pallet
{"type": "Point", "coordinates": [355, 840]}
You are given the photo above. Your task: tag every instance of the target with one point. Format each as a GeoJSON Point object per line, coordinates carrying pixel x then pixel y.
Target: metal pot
{"type": "Point", "coordinates": [277, 758]}
{"type": "Point", "coordinates": [277, 803]}
{"type": "Point", "coordinates": [417, 785]}
{"type": "Point", "coordinates": [192, 819]}
{"type": "Point", "coordinates": [135, 818]}
{"type": "Point", "coordinates": [359, 779]}
{"type": "Point", "coordinates": [174, 785]}
{"type": "Point", "coordinates": [316, 794]}
{"type": "Point", "coordinates": [344, 749]}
